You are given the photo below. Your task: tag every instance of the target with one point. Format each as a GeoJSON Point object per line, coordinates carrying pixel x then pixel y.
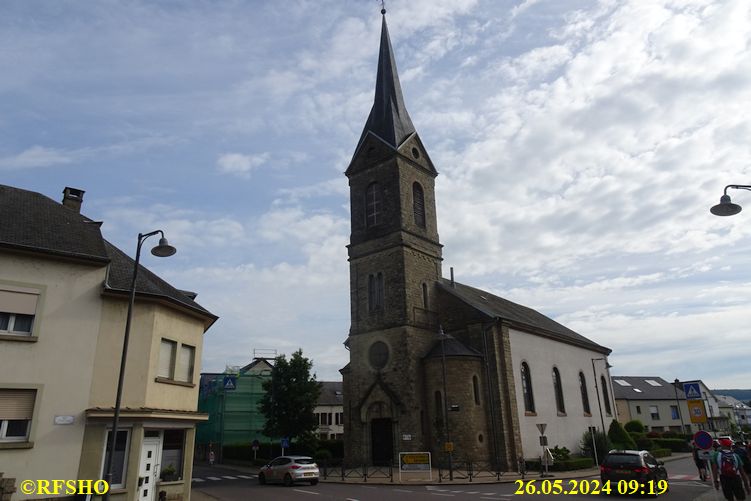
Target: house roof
{"type": "Point", "coordinates": [331, 393]}
{"type": "Point", "coordinates": [524, 317]}
{"type": "Point", "coordinates": [451, 347]}
{"type": "Point", "coordinates": [644, 388]}
{"type": "Point", "coordinates": [35, 223]}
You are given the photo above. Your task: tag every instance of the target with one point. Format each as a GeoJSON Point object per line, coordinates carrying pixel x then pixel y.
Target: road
{"type": "Point", "coordinates": [229, 485]}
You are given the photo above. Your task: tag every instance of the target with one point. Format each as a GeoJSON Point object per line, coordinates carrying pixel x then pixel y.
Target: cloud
{"type": "Point", "coordinates": [38, 156]}
{"type": "Point", "coordinates": [240, 165]}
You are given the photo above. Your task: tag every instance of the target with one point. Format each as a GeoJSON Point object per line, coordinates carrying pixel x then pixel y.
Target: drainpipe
{"type": "Point", "coordinates": [491, 400]}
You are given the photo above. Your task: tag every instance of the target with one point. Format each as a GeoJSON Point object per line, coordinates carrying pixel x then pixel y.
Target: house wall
{"type": "Point", "coordinates": [665, 422]}
{"type": "Point", "coordinates": [542, 355]}
{"type": "Point", "coordinates": [59, 364]}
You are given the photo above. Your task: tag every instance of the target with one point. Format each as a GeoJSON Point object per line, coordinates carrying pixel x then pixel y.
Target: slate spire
{"type": "Point", "coordinates": [388, 118]}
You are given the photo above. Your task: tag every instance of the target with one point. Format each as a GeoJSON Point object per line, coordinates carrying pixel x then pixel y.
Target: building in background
{"type": "Point", "coordinates": [658, 404]}
{"type": "Point", "coordinates": [64, 294]}
{"type": "Point", "coordinates": [736, 411]}
{"type": "Point", "coordinates": [231, 401]}
{"type": "Point", "coordinates": [330, 411]}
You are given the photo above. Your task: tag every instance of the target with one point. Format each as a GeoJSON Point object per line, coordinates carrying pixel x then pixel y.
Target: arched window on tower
{"type": "Point", "coordinates": [585, 395]}
{"type": "Point", "coordinates": [418, 204]}
{"type": "Point", "coordinates": [476, 389]}
{"type": "Point", "coordinates": [529, 398]}
{"type": "Point", "coordinates": [558, 388]}
{"type": "Point", "coordinates": [373, 205]}
{"type": "Point", "coordinates": [425, 296]}
{"type": "Point", "coordinates": [605, 395]}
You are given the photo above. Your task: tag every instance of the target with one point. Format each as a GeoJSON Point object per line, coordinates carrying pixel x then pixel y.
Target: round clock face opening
{"type": "Point", "coordinates": [378, 355]}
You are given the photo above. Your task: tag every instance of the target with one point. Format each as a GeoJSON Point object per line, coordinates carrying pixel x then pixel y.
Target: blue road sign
{"type": "Point", "coordinates": [230, 382]}
{"type": "Point", "coordinates": [692, 390]}
{"type": "Point", "coordinates": [703, 440]}
{"type": "Point", "coordinates": [285, 443]}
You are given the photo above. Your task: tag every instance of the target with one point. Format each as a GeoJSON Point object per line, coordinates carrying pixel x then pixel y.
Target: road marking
{"type": "Point", "coordinates": [307, 492]}
{"type": "Point", "coordinates": [441, 494]}
{"type": "Point", "coordinates": [213, 478]}
{"type": "Point", "coordinates": [401, 490]}
{"type": "Point", "coordinates": [198, 480]}
{"type": "Point", "coordinates": [245, 477]}
{"type": "Point", "coordinates": [229, 477]}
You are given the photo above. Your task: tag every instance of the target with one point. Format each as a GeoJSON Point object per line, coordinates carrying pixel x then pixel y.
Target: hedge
{"type": "Point", "coordinates": [574, 463]}
{"type": "Point", "coordinates": [674, 444]}
{"type": "Point", "coordinates": [660, 453]}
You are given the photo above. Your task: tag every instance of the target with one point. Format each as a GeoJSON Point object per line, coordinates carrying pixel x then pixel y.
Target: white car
{"type": "Point", "coordinates": [288, 470]}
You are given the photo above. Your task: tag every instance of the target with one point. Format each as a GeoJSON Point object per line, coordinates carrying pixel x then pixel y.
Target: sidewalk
{"type": "Point", "coordinates": [507, 477]}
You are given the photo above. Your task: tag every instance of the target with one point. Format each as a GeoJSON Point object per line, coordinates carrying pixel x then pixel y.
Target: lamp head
{"type": "Point", "coordinates": [164, 249]}
{"type": "Point", "coordinates": [725, 207]}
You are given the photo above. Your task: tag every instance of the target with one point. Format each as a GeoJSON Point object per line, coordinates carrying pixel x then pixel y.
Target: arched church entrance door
{"type": "Point", "coordinates": [382, 441]}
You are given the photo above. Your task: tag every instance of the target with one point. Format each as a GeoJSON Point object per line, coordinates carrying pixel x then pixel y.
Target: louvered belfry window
{"type": "Point", "coordinates": [373, 214]}
{"type": "Point", "coordinates": [418, 200]}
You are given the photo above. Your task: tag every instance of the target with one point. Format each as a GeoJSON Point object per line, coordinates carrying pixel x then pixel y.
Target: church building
{"type": "Point", "coordinates": [435, 364]}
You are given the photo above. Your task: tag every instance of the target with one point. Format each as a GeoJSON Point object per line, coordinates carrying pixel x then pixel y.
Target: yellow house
{"type": "Point", "coordinates": [64, 294]}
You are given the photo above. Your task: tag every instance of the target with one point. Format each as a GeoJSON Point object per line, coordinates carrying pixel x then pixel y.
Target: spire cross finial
{"type": "Point", "coordinates": [383, 6]}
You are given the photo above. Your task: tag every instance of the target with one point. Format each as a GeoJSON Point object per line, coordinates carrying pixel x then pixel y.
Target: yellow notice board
{"type": "Point", "coordinates": [415, 462]}
{"type": "Point", "coordinates": [696, 411]}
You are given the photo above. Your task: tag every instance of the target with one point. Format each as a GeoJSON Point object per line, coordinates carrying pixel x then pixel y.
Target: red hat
{"type": "Point", "coordinates": [726, 442]}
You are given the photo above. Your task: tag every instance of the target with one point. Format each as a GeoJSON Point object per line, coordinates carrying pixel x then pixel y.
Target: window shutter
{"type": "Point", "coordinates": [17, 404]}
{"type": "Point", "coordinates": [18, 302]}
{"type": "Point", "coordinates": [184, 367]}
{"type": "Point", "coordinates": [166, 358]}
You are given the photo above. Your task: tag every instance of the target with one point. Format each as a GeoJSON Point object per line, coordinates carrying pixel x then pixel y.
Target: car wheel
{"type": "Point", "coordinates": [288, 480]}
{"type": "Point", "coordinates": [314, 481]}
{"type": "Point", "coordinates": [261, 479]}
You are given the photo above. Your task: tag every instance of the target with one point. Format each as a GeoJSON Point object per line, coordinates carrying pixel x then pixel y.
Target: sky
{"type": "Point", "coordinates": [579, 146]}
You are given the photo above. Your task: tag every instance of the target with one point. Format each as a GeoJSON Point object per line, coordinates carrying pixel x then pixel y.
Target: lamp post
{"type": "Point", "coordinates": [726, 207]}
{"type": "Point", "coordinates": [448, 445]}
{"type": "Point", "coordinates": [678, 403]}
{"type": "Point", "coordinates": [164, 249]}
{"type": "Point", "coordinates": [597, 391]}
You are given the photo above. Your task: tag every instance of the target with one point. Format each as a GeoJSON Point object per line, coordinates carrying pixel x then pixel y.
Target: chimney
{"type": "Point", "coordinates": [452, 278]}
{"type": "Point", "coordinates": [73, 198]}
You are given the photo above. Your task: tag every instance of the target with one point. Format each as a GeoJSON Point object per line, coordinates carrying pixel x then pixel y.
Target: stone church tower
{"type": "Point", "coordinates": [395, 260]}
{"type": "Point", "coordinates": [501, 369]}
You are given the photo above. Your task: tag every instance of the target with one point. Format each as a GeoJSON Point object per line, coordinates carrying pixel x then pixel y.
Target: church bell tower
{"type": "Point", "coordinates": [395, 262]}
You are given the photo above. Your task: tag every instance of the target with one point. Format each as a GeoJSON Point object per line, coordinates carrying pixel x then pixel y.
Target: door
{"type": "Point", "coordinates": [148, 470]}
{"type": "Point", "coordinates": [382, 441]}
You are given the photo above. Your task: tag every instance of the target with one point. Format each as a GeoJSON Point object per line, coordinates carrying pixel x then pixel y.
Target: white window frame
{"type": "Point", "coordinates": [12, 323]}
{"type": "Point", "coordinates": [5, 421]}
{"type": "Point", "coordinates": [126, 455]}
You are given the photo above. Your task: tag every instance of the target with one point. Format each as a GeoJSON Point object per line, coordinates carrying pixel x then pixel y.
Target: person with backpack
{"type": "Point", "coordinates": [727, 469]}
{"type": "Point", "coordinates": [740, 449]}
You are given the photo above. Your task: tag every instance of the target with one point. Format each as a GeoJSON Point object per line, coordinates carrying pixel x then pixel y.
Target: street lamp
{"type": "Point", "coordinates": [164, 249]}
{"type": "Point", "coordinates": [449, 445]}
{"type": "Point", "coordinates": [597, 391]}
{"type": "Point", "coordinates": [726, 207]}
{"type": "Point", "coordinates": [678, 404]}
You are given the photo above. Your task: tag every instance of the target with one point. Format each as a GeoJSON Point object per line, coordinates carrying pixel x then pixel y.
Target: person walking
{"type": "Point", "coordinates": [727, 469]}
{"type": "Point", "coordinates": [701, 464]}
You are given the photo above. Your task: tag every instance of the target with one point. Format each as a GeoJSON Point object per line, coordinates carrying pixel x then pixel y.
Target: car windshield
{"type": "Point", "coordinates": [621, 460]}
{"type": "Point", "coordinates": [304, 461]}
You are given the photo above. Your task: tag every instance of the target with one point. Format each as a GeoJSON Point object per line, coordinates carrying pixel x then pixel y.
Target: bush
{"type": "Point", "coordinates": [620, 437]}
{"type": "Point", "coordinates": [323, 455]}
{"type": "Point", "coordinates": [645, 444]}
{"type": "Point", "coordinates": [673, 444]}
{"type": "Point", "coordinates": [601, 441]}
{"type": "Point", "coordinates": [635, 426]}
{"type": "Point", "coordinates": [560, 453]}
{"type": "Point", "coordinates": [671, 434]}
{"type": "Point", "coordinates": [654, 434]}
{"type": "Point", "coordinates": [660, 453]}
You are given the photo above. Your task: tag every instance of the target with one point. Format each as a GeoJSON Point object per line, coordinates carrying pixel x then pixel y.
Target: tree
{"type": "Point", "coordinates": [290, 398]}
{"type": "Point", "coordinates": [601, 441]}
{"type": "Point", "coordinates": [619, 437]}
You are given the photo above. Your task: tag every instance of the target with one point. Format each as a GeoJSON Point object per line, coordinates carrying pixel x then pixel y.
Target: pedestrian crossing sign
{"type": "Point", "coordinates": [692, 390]}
